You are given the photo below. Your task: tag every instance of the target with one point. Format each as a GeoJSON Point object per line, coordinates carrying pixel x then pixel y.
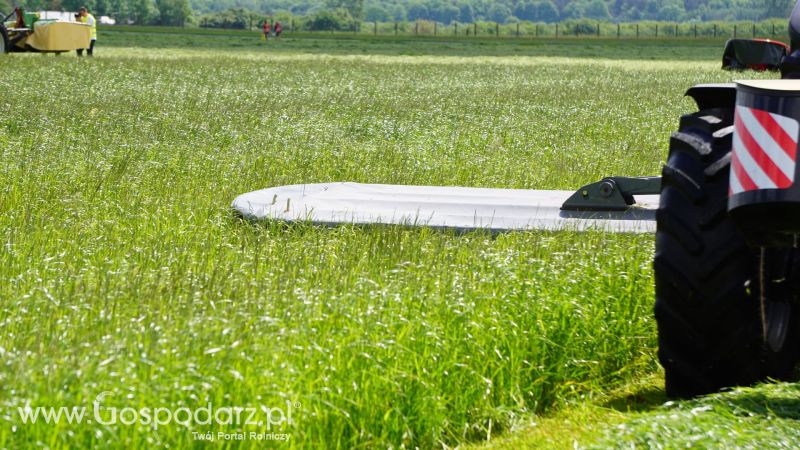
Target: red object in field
{"type": "Point", "coordinates": [20, 23]}
{"type": "Point", "coordinates": [754, 54]}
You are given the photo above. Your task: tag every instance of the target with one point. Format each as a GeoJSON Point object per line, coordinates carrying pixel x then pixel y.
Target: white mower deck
{"type": "Point", "coordinates": [460, 208]}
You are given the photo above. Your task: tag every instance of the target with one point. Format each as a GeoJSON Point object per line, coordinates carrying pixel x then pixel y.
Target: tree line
{"type": "Point", "coordinates": [339, 14]}
{"type": "Point", "coordinates": [140, 12]}
{"type": "Point", "coordinates": [506, 11]}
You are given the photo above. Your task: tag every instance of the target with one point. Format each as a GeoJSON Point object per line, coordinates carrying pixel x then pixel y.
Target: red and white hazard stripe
{"type": "Point", "coordinates": [764, 150]}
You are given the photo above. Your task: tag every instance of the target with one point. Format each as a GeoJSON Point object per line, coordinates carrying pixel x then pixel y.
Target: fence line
{"type": "Point", "coordinates": [640, 30]}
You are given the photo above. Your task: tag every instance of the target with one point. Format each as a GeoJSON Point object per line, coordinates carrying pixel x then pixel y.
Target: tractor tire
{"type": "Point", "coordinates": [4, 45]}
{"type": "Point", "coordinates": [709, 329]}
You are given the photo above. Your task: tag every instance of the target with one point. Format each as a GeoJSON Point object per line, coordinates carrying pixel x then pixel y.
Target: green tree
{"type": "Point", "coordinates": [546, 12]}
{"type": "Point", "coordinates": [417, 11]}
{"type": "Point", "coordinates": [596, 9]}
{"type": "Point", "coordinates": [777, 8]}
{"type": "Point", "coordinates": [120, 10]}
{"type": "Point", "coordinates": [376, 13]}
{"type": "Point", "coordinates": [398, 12]}
{"type": "Point", "coordinates": [443, 12]}
{"type": "Point", "coordinates": [75, 5]}
{"type": "Point", "coordinates": [173, 12]}
{"type": "Point", "coordinates": [102, 7]}
{"type": "Point", "coordinates": [499, 12]}
{"type": "Point", "coordinates": [526, 10]}
{"type": "Point", "coordinates": [574, 10]}
{"type": "Point", "coordinates": [691, 5]}
{"type": "Point", "coordinates": [338, 19]}
{"type": "Point", "coordinates": [466, 14]}
{"type": "Point", "coordinates": [354, 7]}
{"type": "Point", "coordinates": [670, 12]}
{"type": "Point", "coordinates": [720, 10]}
{"type": "Point", "coordinates": [141, 11]}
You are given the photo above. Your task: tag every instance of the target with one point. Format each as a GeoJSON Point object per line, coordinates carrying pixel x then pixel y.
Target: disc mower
{"type": "Point", "coordinates": [726, 214]}
{"type": "Point", "coordinates": [26, 33]}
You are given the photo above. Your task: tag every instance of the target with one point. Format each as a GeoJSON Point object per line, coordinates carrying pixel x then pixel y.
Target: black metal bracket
{"type": "Point", "coordinates": [611, 193]}
{"type": "Point", "coordinates": [23, 33]}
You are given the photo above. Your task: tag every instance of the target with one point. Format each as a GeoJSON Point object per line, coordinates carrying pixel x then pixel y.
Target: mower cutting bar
{"type": "Point", "coordinates": [460, 208]}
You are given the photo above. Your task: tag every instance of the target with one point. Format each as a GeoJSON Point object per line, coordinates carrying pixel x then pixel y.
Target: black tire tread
{"type": "Point", "coordinates": [707, 322]}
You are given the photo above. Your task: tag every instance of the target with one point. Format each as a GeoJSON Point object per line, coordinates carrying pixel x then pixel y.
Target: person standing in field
{"type": "Point", "coordinates": [267, 28]}
{"type": "Point", "coordinates": [278, 29]}
{"type": "Point", "coordinates": [88, 19]}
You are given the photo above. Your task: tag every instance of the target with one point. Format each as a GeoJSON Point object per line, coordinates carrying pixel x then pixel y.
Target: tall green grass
{"type": "Point", "coordinates": [123, 270]}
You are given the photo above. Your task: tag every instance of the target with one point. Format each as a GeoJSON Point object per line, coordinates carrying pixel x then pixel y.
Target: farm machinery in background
{"type": "Point", "coordinates": [725, 212]}
{"type": "Point", "coordinates": [754, 54]}
{"type": "Point", "coordinates": [22, 31]}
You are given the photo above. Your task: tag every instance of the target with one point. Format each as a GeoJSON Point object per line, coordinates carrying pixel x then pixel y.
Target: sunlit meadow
{"type": "Point", "coordinates": [123, 271]}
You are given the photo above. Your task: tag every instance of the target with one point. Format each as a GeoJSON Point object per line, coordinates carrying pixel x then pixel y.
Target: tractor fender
{"type": "Point", "coordinates": [722, 95]}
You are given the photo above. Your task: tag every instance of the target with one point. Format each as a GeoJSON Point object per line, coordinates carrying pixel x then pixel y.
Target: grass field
{"type": "Point", "coordinates": [126, 281]}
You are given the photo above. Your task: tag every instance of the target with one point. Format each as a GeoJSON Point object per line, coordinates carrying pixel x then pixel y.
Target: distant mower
{"type": "Point", "coordinates": [726, 214]}
{"type": "Point", "coordinates": [26, 33]}
{"type": "Point", "coordinates": [754, 54]}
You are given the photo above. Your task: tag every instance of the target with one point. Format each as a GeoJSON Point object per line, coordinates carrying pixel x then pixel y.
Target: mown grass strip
{"type": "Point", "coordinates": [765, 416]}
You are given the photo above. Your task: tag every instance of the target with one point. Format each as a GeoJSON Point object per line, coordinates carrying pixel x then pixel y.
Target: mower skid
{"type": "Point", "coordinates": [458, 208]}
